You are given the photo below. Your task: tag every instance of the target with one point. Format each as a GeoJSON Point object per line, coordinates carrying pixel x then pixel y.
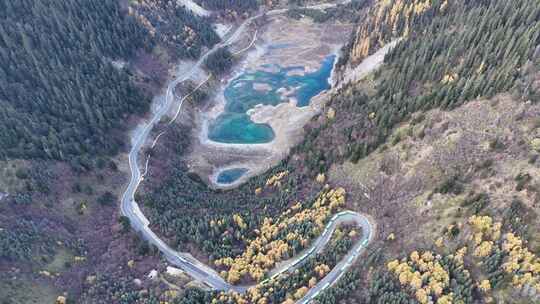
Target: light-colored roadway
{"type": "Point", "coordinates": [195, 268]}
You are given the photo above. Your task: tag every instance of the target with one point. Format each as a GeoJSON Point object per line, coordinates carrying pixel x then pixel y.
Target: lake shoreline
{"type": "Point", "coordinates": [209, 158]}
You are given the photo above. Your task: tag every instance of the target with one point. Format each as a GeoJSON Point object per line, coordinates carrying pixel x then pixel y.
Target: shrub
{"type": "Point", "coordinates": [450, 185]}
{"type": "Point", "coordinates": [522, 180]}
{"type": "Point", "coordinates": [106, 198]}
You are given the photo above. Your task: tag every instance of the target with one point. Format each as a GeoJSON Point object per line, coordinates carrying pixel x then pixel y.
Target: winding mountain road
{"type": "Point", "coordinates": [195, 268]}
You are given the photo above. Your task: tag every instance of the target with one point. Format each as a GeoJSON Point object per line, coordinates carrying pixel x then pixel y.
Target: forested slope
{"type": "Point", "coordinates": [451, 52]}
{"type": "Point", "coordinates": [232, 5]}
{"type": "Point", "coordinates": [74, 76]}
{"type": "Point", "coordinates": [183, 34]}
{"type": "Point", "coordinates": [442, 138]}
{"type": "Point", "coordinates": [59, 94]}
{"type": "Point", "coordinates": [61, 97]}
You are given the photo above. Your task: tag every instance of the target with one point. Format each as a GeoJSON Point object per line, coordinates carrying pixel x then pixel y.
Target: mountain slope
{"type": "Point", "coordinates": [60, 95]}
{"type": "Point", "coordinates": [440, 147]}
{"type": "Point", "coordinates": [449, 54]}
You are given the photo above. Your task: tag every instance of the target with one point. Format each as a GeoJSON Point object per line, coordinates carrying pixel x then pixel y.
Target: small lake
{"type": "Point", "coordinates": [230, 176]}
{"type": "Point", "coordinates": [265, 86]}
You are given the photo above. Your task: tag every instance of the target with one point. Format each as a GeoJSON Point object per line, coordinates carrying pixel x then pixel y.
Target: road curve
{"type": "Point", "coordinates": [340, 268]}
{"type": "Point", "coordinates": [195, 268]}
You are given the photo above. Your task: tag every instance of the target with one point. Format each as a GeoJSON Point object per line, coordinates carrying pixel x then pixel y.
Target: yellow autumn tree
{"type": "Point", "coordinates": [484, 285]}
{"type": "Point", "coordinates": [268, 247]}
{"type": "Point", "coordinates": [300, 292]}
{"type": "Point", "coordinates": [421, 296]}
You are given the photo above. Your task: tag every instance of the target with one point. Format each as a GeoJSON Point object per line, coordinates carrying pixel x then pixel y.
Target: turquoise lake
{"type": "Point", "coordinates": [234, 126]}
{"type": "Point", "coordinates": [231, 175]}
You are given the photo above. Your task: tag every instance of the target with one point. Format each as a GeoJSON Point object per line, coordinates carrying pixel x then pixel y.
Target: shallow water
{"type": "Point", "coordinates": [238, 128]}
{"type": "Point", "coordinates": [265, 87]}
{"type": "Point", "coordinates": [230, 176]}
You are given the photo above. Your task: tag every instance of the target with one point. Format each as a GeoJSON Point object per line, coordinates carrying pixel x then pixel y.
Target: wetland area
{"type": "Point", "coordinates": [259, 111]}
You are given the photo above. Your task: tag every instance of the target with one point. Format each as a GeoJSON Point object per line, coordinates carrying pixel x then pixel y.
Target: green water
{"type": "Point", "coordinates": [234, 125]}
{"type": "Point", "coordinates": [238, 128]}
{"type": "Point", "coordinates": [231, 175]}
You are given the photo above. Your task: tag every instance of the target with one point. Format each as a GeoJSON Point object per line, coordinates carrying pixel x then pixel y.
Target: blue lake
{"type": "Point", "coordinates": [230, 176]}
{"type": "Point", "coordinates": [261, 87]}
